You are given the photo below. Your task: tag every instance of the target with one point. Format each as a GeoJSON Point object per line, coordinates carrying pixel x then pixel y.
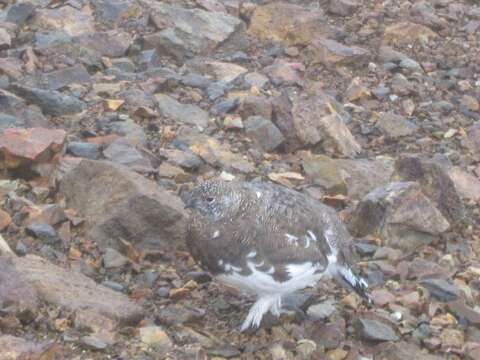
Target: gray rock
{"type": "Point", "coordinates": [73, 291]}
{"type": "Point", "coordinates": [113, 259]}
{"type": "Point", "coordinates": [58, 79]}
{"type": "Point", "coordinates": [395, 126]}
{"type": "Point", "coordinates": [374, 330]}
{"type": "Point", "coordinates": [83, 149]}
{"type": "Point", "coordinates": [20, 12]}
{"type": "Point", "coordinates": [265, 134]}
{"type": "Point", "coordinates": [217, 89]}
{"type": "Point", "coordinates": [14, 290]}
{"type": "Point", "coordinates": [225, 351]}
{"type": "Point", "coordinates": [42, 231]}
{"type": "Point", "coordinates": [51, 102]}
{"type": "Point", "coordinates": [343, 7]}
{"type": "Point", "coordinates": [331, 53]}
{"type": "Point", "coordinates": [256, 79]}
{"type": "Point", "coordinates": [400, 214]}
{"type": "Point", "coordinates": [122, 152]}
{"type": "Point", "coordinates": [5, 39]}
{"type": "Point", "coordinates": [182, 113]}
{"type": "Point", "coordinates": [185, 159]}
{"type": "Point", "coordinates": [128, 128]}
{"type": "Point", "coordinates": [381, 92]}
{"type": "Point", "coordinates": [192, 31]}
{"type": "Point", "coordinates": [196, 81]}
{"type": "Point", "coordinates": [441, 290]}
{"type": "Point", "coordinates": [112, 43]}
{"type": "Point", "coordinates": [321, 311]}
{"type": "Point", "coordinates": [402, 86]}
{"type": "Point", "coordinates": [120, 204]}
{"type": "Point", "coordinates": [93, 342]}
{"type": "Point", "coordinates": [8, 121]}
{"type": "Point", "coordinates": [18, 348]}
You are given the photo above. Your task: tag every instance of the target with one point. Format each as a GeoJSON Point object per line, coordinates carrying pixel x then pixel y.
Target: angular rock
{"type": "Point", "coordinates": [403, 33]}
{"type": "Point", "coordinates": [155, 336]}
{"type": "Point", "coordinates": [58, 79]}
{"type": "Point", "coordinates": [74, 291]}
{"type": "Point", "coordinates": [472, 140]}
{"type": "Point", "coordinates": [216, 154]}
{"type": "Point", "coordinates": [265, 134]}
{"type": "Point", "coordinates": [122, 152]}
{"type": "Point", "coordinates": [308, 121]}
{"type": "Point", "coordinates": [287, 23]}
{"type": "Point", "coordinates": [120, 204]}
{"type": "Point", "coordinates": [321, 311]}
{"type": "Point", "coordinates": [185, 159]}
{"type": "Point", "coordinates": [404, 351]}
{"type": "Point", "coordinates": [21, 297]}
{"type": "Point", "coordinates": [283, 73]}
{"type": "Point", "coordinates": [400, 214]}
{"type": "Point", "coordinates": [50, 101]}
{"type": "Point", "coordinates": [113, 43]}
{"type": "Point", "coordinates": [332, 53]}
{"type": "Point", "coordinates": [441, 289]}
{"type": "Point", "coordinates": [394, 125]}
{"type": "Point", "coordinates": [374, 330]}
{"type": "Point", "coordinates": [464, 312]}
{"type": "Point", "coordinates": [22, 147]}
{"type": "Point", "coordinates": [113, 259]}
{"type": "Point", "coordinates": [467, 185]}
{"type": "Point", "coordinates": [83, 149]}
{"type": "Point", "coordinates": [188, 32]}
{"type": "Point", "coordinates": [435, 183]}
{"type": "Point", "coordinates": [5, 39]}
{"type": "Point", "coordinates": [20, 12]}
{"type": "Point", "coordinates": [219, 70]}
{"type": "Point", "coordinates": [182, 113]}
{"type": "Point", "coordinates": [67, 19]}
{"type": "Point", "coordinates": [8, 121]}
{"type": "Point", "coordinates": [323, 171]}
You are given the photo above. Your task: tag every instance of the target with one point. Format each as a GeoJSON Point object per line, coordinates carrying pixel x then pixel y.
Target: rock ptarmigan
{"type": "Point", "coordinates": [267, 240]}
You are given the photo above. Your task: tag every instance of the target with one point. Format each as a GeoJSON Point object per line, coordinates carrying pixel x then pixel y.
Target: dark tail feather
{"type": "Point", "coordinates": [354, 282]}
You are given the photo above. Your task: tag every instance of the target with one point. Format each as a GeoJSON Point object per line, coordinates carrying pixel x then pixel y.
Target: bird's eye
{"type": "Point", "coordinates": [210, 199]}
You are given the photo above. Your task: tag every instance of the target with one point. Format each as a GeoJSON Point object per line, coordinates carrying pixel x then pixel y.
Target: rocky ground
{"type": "Point", "coordinates": [109, 109]}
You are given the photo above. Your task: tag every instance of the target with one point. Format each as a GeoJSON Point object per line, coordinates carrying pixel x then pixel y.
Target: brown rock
{"type": "Point", "coordinates": [406, 32]}
{"type": "Point", "coordinates": [331, 53]}
{"type": "Point", "coordinates": [400, 214]}
{"type": "Point", "coordinates": [21, 147]}
{"type": "Point", "coordinates": [435, 183]}
{"type": "Point", "coordinates": [404, 351]}
{"type": "Point", "coordinates": [74, 291]}
{"type": "Point", "coordinates": [120, 204]}
{"type": "Point", "coordinates": [286, 23]}
{"type": "Point", "coordinates": [310, 120]}
{"type": "Point", "coordinates": [452, 338]}
{"type": "Point", "coordinates": [464, 312]}
{"type": "Point", "coordinates": [284, 73]}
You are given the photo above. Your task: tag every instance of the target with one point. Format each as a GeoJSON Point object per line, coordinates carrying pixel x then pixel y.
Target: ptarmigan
{"type": "Point", "coordinates": [267, 240]}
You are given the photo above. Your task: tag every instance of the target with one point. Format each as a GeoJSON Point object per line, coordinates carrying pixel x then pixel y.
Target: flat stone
{"type": "Point", "coordinates": [58, 79]}
{"type": "Point", "coordinates": [93, 342]}
{"type": "Point", "coordinates": [331, 53]}
{"type": "Point", "coordinates": [83, 150]}
{"type": "Point", "coordinates": [122, 152]}
{"type": "Point", "coordinates": [404, 351]}
{"type": "Point", "coordinates": [441, 289]}
{"type": "Point", "coordinates": [8, 121]}
{"type": "Point", "coordinates": [400, 214]}
{"type": "Point", "coordinates": [183, 158]}
{"type": "Point", "coordinates": [50, 101]}
{"type": "Point", "coordinates": [74, 291]}
{"type": "Point", "coordinates": [464, 312]}
{"type": "Point", "coordinates": [112, 43]}
{"type": "Point", "coordinates": [283, 73]}
{"type": "Point", "coordinates": [467, 185]}
{"type": "Point", "coordinates": [181, 113]}
{"type": "Point", "coordinates": [265, 134]}
{"type": "Point", "coordinates": [218, 70]}
{"type": "Point", "coordinates": [20, 12]}
{"type": "Point", "coordinates": [286, 23]}
{"type": "Point", "coordinates": [374, 330]}
{"type": "Point", "coordinates": [394, 125]}
{"type": "Point", "coordinates": [120, 204]}
{"type": "Point", "coordinates": [472, 140]}
{"type": "Point", "coordinates": [67, 19]}
{"type": "Point", "coordinates": [343, 7]}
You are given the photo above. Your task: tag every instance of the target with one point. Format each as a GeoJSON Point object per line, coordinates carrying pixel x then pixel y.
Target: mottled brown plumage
{"type": "Point", "coordinates": [267, 239]}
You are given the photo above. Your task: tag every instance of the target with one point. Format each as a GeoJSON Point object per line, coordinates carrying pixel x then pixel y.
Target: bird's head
{"type": "Point", "coordinates": [213, 199]}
